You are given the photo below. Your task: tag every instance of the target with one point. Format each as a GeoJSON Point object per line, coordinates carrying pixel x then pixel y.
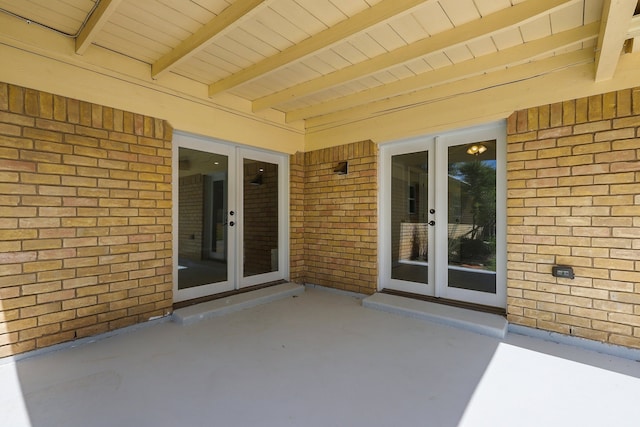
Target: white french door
{"type": "Point", "coordinates": [230, 216]}
{"type": "Point", "coordinates": [443, 216]}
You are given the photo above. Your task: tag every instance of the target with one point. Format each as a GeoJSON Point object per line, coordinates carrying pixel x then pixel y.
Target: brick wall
{"type": "Point", "coordinates": [296, 218]}
{"type": "Point", "coordinates": [574, 199]}
{"type": "Point", "coordinates": [85, 219]}
{"type": "Point", "coordinates": [338, 236]}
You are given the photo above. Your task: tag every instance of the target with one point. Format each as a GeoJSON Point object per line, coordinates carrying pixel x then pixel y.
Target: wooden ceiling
{"type": "Point", "coordinates": [335, 61]}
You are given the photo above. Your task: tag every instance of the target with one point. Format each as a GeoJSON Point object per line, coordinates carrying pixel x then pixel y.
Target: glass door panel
{"type": "Point", "coordinates": [471, 225]}
{"type": "Point", "coordinates": [260, 209]}
{"type": "Point", "coordinates": [202, 218]}
{"type": "Point", "coordinates": [409, 217]}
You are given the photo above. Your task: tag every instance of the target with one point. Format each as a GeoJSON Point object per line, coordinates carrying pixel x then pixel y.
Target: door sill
{"type": "Point", "coordinates": [488, 324]}
{"type": "Point", "coordinates": [187, 303]}
{"type": "Point", "coordinates": [453, 303]}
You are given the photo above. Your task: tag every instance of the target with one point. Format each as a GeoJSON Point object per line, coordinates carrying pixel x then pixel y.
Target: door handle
{"type": "Point", "coordinates": [432, 222]}
{"type": "Point", "coordinates": [231, 224]}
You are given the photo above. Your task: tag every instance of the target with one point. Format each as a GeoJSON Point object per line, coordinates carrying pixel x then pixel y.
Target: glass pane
{"type": "Point", "coordinates": [260, 217]}
{"type": "Point", "coordinates": [472, 216]}
{"type": "Point", "coordinates": [202, 208]}
{"type": "Point", "coordinates": [409, 209]}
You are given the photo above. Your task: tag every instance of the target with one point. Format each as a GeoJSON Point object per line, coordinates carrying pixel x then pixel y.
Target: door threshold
{"type": "Point", "coordinates": [236, 302]}
{"type": "Point", "coordinates": [489, 324]}
{"type": "Point", "coordinates": [213, 297]}
{"type": "Point", "coordinates": [453, 303]}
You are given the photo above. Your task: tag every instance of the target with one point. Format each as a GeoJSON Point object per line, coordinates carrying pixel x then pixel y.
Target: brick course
{"type": "Point", "coordinates": [573, 198]}
{"type": "Point", "coordinates": [85, 219]}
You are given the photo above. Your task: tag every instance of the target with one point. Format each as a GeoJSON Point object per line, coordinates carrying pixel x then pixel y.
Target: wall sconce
{"type": "Point", "coordinates": [476, 149]}
{"type": "Point", "coordinates": [257, 180]}
{"type": "Point", "coordinates": [342, 168]}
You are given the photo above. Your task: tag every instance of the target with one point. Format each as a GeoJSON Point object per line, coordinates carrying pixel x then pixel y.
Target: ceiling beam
{"type": "Point", "coordinates": [473, 67]}
{"type": "Point", "coordinates": [94, 24]}
{"type": "Point", "coordinates": [497, 21]}
{"type": "Point", "coordinates": [634, 33]}
{"type": "Point", "coordinates": [457, 88]}
{"type": "Point", "coordinates": [374, 15]}
{"type": "Point", "coordinates": [615, 24]}
{"type": "Point", "coordinates": [238, 10]}
{"type": "Point", "coordinates": [634, 27]}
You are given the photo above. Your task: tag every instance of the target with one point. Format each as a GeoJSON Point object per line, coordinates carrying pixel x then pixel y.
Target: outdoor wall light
{"type": "Point", "coordinates": [476, 149]}
{"type": "Point", "coordinates": [342, 168]}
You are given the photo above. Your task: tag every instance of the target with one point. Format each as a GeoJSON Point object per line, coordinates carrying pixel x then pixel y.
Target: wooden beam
{"type": "Point", "coordinates": [94, 24]}
{"type": "Point", "coordinates": [481, 107]}
{"type": "Point", "coordinates": [634, 33]}
{"type": "Point", "coordinates": [454, 89]}
{"type": "Point", "coordinates": [615, 24]}
{"type": "Point", "coordinates": [376, 14]}
{"type": "Point", "coordinates": [237, 11]}
{"type": "Point", "coordinates": [483, 64]}
{"type": "Point", "coordinates": [634, 28]}
{"type": "Point", "coordinates": [498, 21]}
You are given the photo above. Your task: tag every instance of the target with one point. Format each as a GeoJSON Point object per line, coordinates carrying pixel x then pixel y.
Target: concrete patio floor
{"type": "Point", "coordinates": [318, 359]}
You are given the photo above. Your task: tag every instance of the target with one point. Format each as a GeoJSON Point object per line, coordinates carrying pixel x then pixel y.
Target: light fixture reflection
{"type": "Point", "coordinates": [476, 149]}
{"type": "Point", "coordinates": [258, 178]}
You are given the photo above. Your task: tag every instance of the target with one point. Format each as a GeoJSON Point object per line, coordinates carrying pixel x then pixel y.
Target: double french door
{"type": "Point", "coordinates": [443, 219]}
{"type": "Point", "coordinates": [230, 216]}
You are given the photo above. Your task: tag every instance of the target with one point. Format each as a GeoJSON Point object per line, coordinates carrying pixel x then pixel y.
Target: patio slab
{"type": "Point", "coordinates": [319, 359]}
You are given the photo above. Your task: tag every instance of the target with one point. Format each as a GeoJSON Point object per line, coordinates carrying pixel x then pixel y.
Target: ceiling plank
{"type": "Point", "coordinates": [376, 14]}
{"type": "Point", "coordinates": [238, 10]}
{"type": "Point", "coordinates": [95, 23]}
{"type": "Point", "coordinates": [470, 68]}
{"type": "Point", "coordinates": [498, 21]}
{"type": "Point", "coordinates": [460, 87]}
{"type": "Point", "coordinates": [616, 21]}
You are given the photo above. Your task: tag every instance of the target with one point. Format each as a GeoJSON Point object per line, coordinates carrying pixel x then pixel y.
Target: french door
{"type": "Point", "coordinates": [230, 210]}
{"type": "Point", "coordinates": [443, 216]}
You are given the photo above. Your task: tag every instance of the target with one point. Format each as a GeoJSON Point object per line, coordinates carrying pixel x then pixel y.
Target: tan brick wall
{"type": "Point", "coordinates": [337, 234]}
{"type": "Point", "coordinates": [574, 199]}
{"type": "Point", "coordinates": [85, 219]}
{"type": "Point", "coordinates": [296, 218]}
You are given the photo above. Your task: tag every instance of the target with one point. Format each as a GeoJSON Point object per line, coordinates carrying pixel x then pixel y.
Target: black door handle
{"type": "Point", "coordinates": [231, 224]}
{"type": "Point", "coordinates": [432, 222]}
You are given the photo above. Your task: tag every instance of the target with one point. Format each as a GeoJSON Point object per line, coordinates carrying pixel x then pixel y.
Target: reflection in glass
{"type": "Point", "coordinates": [202, 208]}
{"type": "Point", "coordinates": [472, 216]}
{"type": "Point", "coordinates": [260, 217]}
{"type": "Point", "coordinates": [409, 228]}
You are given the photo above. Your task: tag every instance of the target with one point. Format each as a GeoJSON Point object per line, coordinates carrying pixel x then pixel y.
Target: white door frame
{"type": "Point", "coordinates": [236, 155]}
{"type": "Point", "coordinates": [385, 203]}
{"type": "Point", "coordinates": [438, 182]}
